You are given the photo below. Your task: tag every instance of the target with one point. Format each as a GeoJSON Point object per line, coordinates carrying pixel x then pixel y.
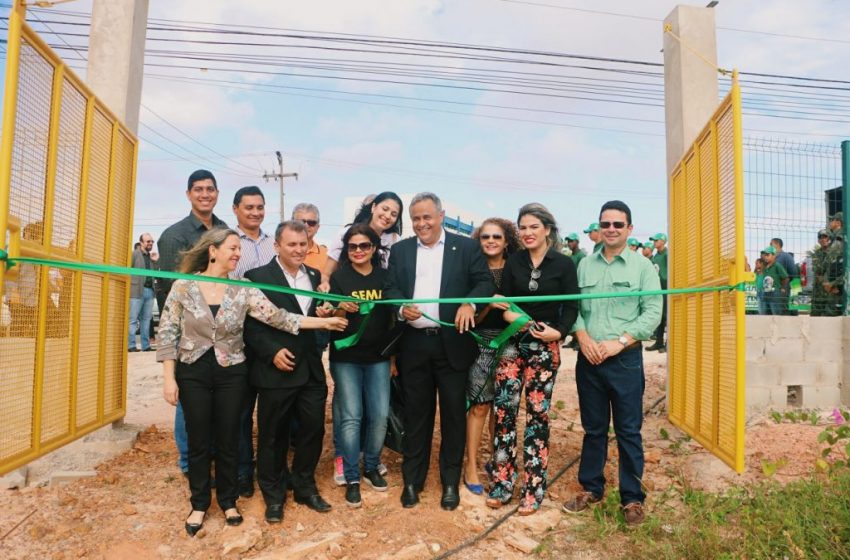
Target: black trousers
{"type": "Point", "coordinates": [275, 411]}
{"type": "Point", "coordinates": [212, 397]}
{"type": "Point", "coordinates": [659, 332]}
{"type": "Point", "coordinates": [425, 375]}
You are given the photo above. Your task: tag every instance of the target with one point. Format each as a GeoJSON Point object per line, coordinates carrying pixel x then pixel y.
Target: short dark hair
{"type": "Point", "coordinates": [778, 242]}
{"type": "Point", "coordinates": [200, 175]}
{"type": "Point", "coordinates": [617, 205]}
{"type": "Point", "coordinates": [294, 225]}
{"type": "Point", "coordinates": [247, 191]}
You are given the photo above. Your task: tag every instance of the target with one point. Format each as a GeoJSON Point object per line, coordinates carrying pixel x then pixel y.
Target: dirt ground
{"type": "Point", "coordinates": [135, 507]}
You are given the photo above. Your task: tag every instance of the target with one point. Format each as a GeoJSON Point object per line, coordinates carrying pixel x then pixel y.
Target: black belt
{"type": "Point", "coordinates": [427, 331]}
{"type": "Point", "coordinates": [633, 346]}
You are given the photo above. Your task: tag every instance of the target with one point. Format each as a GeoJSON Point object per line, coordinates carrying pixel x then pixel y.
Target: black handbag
{"type": "Point", "coordinates": [395, 418]}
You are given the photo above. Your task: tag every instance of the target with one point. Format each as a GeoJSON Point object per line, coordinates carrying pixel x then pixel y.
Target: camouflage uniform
{"type": "Point", "coordinates": [828, 265]}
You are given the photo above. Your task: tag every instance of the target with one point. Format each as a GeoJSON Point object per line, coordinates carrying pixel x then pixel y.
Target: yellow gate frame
{"type": "Point", "coordinates": [67, 179]}
{"type": "Point", "coordinates": [706, 329]}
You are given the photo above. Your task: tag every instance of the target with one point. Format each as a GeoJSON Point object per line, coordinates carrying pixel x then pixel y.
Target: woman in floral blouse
{"type": "Point", "coordinates": [532, 362]}
{"type": "Point", "coordinates": [201, 350]}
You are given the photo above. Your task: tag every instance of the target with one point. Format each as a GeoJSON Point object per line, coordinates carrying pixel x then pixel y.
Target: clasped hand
{"type": "Point", "coordinates": [598, 352]}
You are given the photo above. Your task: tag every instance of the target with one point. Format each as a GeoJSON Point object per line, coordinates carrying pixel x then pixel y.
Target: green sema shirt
{"type": "Point", "coordinates": [773, 276]}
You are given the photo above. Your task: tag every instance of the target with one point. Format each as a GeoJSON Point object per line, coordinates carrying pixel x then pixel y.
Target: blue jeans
{"type": "Point", "coordinates": [773, 303]}
{"type": "Point", "coordinates": [361, 391]}
{"type": "Point", "coordinates": [141, 311]}
{"type": "Point", "coordinates": [614, 386]}
{"type": "Point", "coordinates": [181, 438]}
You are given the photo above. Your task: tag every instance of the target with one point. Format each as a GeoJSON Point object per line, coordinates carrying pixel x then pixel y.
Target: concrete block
{"type": "Point", "coordinates": [779, 397]}
{"type": "Point", "coordinates": [818, 349]}
{"type": "Point", "coordinates": [755, 350]}
{"type": "Point", "coordinates": [762, 374]}
{"type": "Point", "coordinates": [829, 374]}
{"type": "Point", "coordinates": [845, 327]}
{"type": "Point", "coordinates": [15, 479]}
{"type": "Point", "coordinates": [59, 478]}
{"type": "Point", "coordinates": [821, 397]}
{"type": "Point", "coordinates": [759, 326]}
{"type": "Point", "coordinates": [758, 397]}
{"type": "Point", "coordinates": [791, 327]}
{"type": "Point", "coordinates": [826, 328]}
{"type": "Point", "coordinates": [805, 373]}
{"type": "Point", "coordinates": [784, 350]}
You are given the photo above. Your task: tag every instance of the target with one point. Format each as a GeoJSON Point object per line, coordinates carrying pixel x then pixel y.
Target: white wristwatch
{"type": "Point", "coordinates": [623, 340]}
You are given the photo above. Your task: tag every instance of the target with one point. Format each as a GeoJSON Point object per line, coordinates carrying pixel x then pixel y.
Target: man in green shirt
{"type": "Point", "coordinates": [647, 248]}
{"type": "Point", "coordinates": [775, 283]}
{"type": "Point", "coordinates": [659, 260]}
{"type": "Point", "coordinates": [595, 235]}
{"type": "Point", "coordinates": [576, 254]}
{"type": "Point", "coordinates": [609, 368]}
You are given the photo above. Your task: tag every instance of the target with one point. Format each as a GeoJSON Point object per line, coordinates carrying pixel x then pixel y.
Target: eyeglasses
{"type": "Point", "coordinates": [535, 276]}
{"type": "Point", "coordinates": [311, 223]}
{"type": "Point", "coordinates": [496, 236]}
{"type": "Point", "coordinates": [359, 247]}
{"type": "Point", "coordinates": [615, 225]}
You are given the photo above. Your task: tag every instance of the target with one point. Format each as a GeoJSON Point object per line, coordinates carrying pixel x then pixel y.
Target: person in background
{"type": "Point", "coordinates": [498, 240]}
{"type": "Point", "coordinates": [576, 253]}
{"type": "Point", "coordinates": [257, 249]}
{"type": "Point", "coordinates": [609, 368]}
{"type": "Point", "coordinates": [787, 262]}
{"type": "Point", "coordinates": [141, 296]}
{"type": "Point", "coordinates": [634, 244]}
{"type": "Point", "coordinates": [595, 235]}
{"type": "Point", "coordinates": [759, 273]}
{"type": "Point", "coordinates": [317, 254]}
{"type": "Point", "coordinates": [775, 284]}
{"type": "Point", "coordinates": [361, 374]}
{"type": "Point", "coordinates": [202, 193]}
{"type": "Point", "coordinates": [828, 288]}
{"type": "Point", "coordinates": [533, 360]}
{"type": "Point", "coordinates": [201, 350]}
{"type": "Point", "coordinates": [659, 260]}
{"type": "Point", "coordinates": [646, 249]}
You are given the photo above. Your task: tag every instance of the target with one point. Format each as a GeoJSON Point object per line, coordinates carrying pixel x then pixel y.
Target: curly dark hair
{"type": "Point", "coordinates": [361, 229]}
{"type": "Point", "coordinates": [512, 244]}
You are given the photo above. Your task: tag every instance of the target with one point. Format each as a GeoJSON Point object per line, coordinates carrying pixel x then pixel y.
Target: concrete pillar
{"type": "Point", "coordinates": [117, 56]}
{"type": "Point", "coordinates": [690, 85]}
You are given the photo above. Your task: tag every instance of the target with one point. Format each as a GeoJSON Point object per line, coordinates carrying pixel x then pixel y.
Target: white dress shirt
{"type": "Point", "coordinates": [300, 281]}
{"type": "Point", "coordinates": [429, 275]}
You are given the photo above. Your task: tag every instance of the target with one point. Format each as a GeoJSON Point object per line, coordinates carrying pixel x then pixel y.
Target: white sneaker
{"type": "Point", "coordinates": [339, 475]}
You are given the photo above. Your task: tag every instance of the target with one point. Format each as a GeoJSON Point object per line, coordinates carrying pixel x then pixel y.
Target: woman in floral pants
{"type": "Point", "coordinates": [538, 270]}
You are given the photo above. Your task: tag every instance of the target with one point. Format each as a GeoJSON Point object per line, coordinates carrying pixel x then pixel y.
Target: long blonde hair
{"type": "Point", "coordinates": [197, 258]}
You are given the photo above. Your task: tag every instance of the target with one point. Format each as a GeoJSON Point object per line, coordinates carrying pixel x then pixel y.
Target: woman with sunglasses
{"type": "Point", "coordinates": [498, 241]}
{"type": "Point", "coordinates": [361, 374]}
{"type": "Point", "coordinates": [540, 269]}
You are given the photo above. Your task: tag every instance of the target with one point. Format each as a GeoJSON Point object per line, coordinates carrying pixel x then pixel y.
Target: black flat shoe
{"type": "Point", "coordinates": [233, 520]}
{"type": "Point", "coordinates": [193, 528]}
{"type": "Point", "coordinates": [409, 496]}
{"type": "Point", "coordinates": [274, 513]}
{"type": "Point", "coordinates": [451, 497]}
{"type": "Point", "coordinates": [314, 502]}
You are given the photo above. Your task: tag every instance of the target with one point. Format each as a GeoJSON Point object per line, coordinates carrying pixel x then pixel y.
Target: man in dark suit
{"type": "Point", "coordinates": [289, 377]}
{"type": "Point", "coordinates": [435, 360]}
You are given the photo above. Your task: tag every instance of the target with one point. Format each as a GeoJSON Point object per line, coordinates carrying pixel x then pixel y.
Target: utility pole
{"type": "Point", "coordinates": [280, 175]}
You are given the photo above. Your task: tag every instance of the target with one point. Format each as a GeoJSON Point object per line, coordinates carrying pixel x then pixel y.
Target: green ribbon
{"type": "Point", "coordinates": [367, 306]}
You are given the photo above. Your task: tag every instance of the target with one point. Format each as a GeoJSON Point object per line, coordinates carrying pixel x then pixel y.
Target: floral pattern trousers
{"type": "Point", "coordinates": [533, 365]}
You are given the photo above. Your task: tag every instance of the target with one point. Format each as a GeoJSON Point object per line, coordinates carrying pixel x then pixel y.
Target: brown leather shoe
{"type": "Point", "coordinates": [581, 502]}
{"type": "Point", "coordinates": [633, 513]}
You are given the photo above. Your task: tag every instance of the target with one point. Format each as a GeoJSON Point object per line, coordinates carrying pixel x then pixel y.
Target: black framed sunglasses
{"type": "Point", "coordinates": [311, 223]}
{"type": "Point", "coordinates": [535, 276]}
{"type": "Point", "coordinates": [615, 225]}
{"type": "Point", "coordinates": [496, 236]}
{"type": "Point", "coordinates": [360, 246]}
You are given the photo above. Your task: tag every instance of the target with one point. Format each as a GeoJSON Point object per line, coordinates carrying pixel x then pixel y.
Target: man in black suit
{"type": "Point", "coordinates": [289, 377]}
{"type": "Point", "coordinates": [435, 359]}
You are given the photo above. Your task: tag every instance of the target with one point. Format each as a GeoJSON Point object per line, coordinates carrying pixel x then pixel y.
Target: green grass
{"type": "Point", "coordinates": [804, 519]}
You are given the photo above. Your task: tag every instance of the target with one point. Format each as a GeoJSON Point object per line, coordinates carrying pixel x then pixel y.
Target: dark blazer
{"type": "Point", "coordinates": [264, 342]}
{"type": "Point", "coordinates": [465, 274]}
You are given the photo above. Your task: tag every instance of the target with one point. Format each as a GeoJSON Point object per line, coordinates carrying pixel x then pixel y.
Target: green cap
{"type": "Point", "coordinates": [837, 216]}
{"type": "Point", "coordinates": [826, 233]}
{"type": "Point", "coordinates": [592, 227]}
{"type": "Point", "coordinates": [659, 237]}
{"type": "Point", "coordinates": [770, 250]}
{"type": "Point", "coordinates": [649, 245]}
{"type": "Point", "coordinates": [571, 237]}
{"type": "Point", "coordinates": [633, 242]}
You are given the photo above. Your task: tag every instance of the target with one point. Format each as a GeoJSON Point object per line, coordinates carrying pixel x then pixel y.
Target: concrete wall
{"type": "Point", "coordinates": [809, 354]}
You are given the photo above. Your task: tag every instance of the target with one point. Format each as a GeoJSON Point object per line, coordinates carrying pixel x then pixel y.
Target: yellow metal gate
{"type": "Point", "coordinates": [706, 329]}
{"type": "Point", "coordinates": [67, 174]}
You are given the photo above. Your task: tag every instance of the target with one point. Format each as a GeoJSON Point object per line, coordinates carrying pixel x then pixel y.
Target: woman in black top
{"type": "Point", "coordinates": [498, 240]}
{"type": "Point", "coordinates": [538, 270]}
{"type": "Point", "coordinates": [361, 374]}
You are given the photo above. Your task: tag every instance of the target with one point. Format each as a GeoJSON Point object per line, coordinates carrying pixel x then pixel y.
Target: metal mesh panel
{"type": "Point", "coordinates": [56, 385]}
{"type": "Point", "coordinates": [69, 156]}
{"type": "Point", "coordinates": [88, 365]}
{"type": "Point", "coordinates": [98, 187]}
{"type": "Point", "coordinates": [705, 375]}
{"type": "Point", "coordinates": [115, 344]}
{"type": "Point", "coordinates": [121, 191]}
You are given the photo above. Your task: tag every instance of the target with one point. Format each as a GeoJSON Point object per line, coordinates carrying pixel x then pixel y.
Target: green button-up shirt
{"type": "Point", "coordinates": [609, 318]}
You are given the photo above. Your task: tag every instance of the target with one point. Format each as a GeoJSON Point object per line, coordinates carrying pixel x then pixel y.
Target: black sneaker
{"type": "Point", "coordinates": [352, 495]}
{"type": "Point", "coordinates": [376, 481]}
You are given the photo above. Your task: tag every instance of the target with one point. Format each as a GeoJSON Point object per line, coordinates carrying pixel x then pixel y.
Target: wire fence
{"type": "Point", "coordinates": [790, 190]}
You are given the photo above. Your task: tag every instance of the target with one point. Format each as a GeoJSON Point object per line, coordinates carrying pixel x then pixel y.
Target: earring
{"type": "Point", "coordinates": [212, 260]}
